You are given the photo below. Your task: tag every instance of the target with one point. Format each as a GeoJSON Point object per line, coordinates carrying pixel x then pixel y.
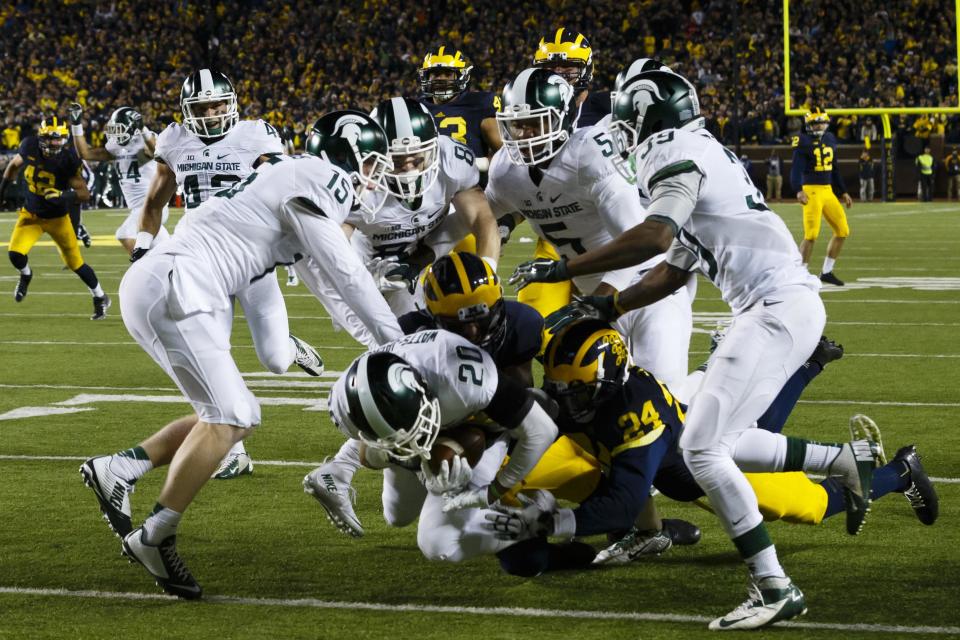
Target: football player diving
{"type": "Point", "coordinates": [632, 423]}
{"type": "Point", "coordinates": [52, 174]}
{"type": "Point", "coordinates": [130, 145]}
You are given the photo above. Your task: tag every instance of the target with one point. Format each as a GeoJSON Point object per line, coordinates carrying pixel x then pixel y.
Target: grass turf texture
{"type": "Point", "coordinates": [261, 537]}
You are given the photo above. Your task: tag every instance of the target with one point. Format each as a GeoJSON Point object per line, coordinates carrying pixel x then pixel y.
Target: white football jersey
{"type": "Point", "coordinates": [462, 375]}
{"type": "Point", "coordinates": [580, 202]}
{"type": "Point", "coordinates": [203, 169]}
{"type": "Point", "coordinates": [731, 236]}
{"type": "Point", "coordinates": [283, 211]}
{"type": "Point", "coordinates": [401, 225]}
{"type": "Point", "coordinates": [134, 167]}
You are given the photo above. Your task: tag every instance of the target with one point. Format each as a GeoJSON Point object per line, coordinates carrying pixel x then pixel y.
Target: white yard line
{"type": "Point", "coordinates": [519, 612]}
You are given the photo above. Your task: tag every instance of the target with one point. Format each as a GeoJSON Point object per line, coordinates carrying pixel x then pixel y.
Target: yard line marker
{"type": "Point", "coordinates": [272, 463]}
{"type": "Point", "coordinates": [315, 603]}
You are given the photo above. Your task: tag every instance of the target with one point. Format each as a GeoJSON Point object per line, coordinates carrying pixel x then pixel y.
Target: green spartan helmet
{"type": "Point", "coordinates": [654, 101]}
{"type": "Point", "coordinates": [411, 130]}
{"type": "Point", "coordinates": [208, 85]}
{"type": "Point", "coordinates": [346, 138]}
{"type": "Point", "coordinates": [124, 123]}
{"type": "Point", "coordinates": [390, 406]}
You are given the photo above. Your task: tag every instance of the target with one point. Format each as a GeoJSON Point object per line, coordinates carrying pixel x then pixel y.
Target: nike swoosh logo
{"type": "Point", "coordinates": [725, 623]}
{"type": "Point", "coordinates": [223, 156]}
{"type": "Point", "coordinates": [738, 521]}
{"type": "Point", "coordinates": [552, 200]}
{"type": "Point", "coordinates": [770, 303]}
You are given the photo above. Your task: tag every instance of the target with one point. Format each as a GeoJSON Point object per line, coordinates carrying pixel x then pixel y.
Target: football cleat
{"type": "Point", "coordinates": [770, 600]}
{"type": "Point", "coordinates": [681, 532]}
{"type": "Point", "coordinates": [854, 466]}
{"type": "Point", "coordinates": [292, 279]}
{"type": "Point", "coordinates": [113, 493]}
{"type": "Point", "coordinates": [829, 278]}
{"type": "Point", "coordinates": [84, 236]}
{"type": "Point", "coordinates": [22, 285]}
{"type": "Point", "coordinates": [336, 498]}
{"type": "Point", "coordinates": [100, 306]}
{"type": "Point", "coordinates": [306, 357]}
{"type": "Point", "coordinates": [163, 563]}
{"type": "Point", "coordinates": [634, 545]}
{"type": "Point", "coordinates": [921, 494]}
{"type": "Point", "coordinates": [716, 337]}
{"type": "Point", "coordinates": [826, 352]}
{"type": "Point", "coordinates": [234, 465]}
{"type": "Point", "coordinates": [864, 428]}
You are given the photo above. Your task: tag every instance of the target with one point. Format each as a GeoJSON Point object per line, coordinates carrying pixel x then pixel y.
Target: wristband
{"type": "Point", "coordinates": [144, 240]}
{"type": "Point", "coordinates": [616, 304]}
{"type": "Point", "coordinates": [77, 130]}
{"type": "Point", "coordinates": [490, 261]}
{"type": "Point", "coordinates": [564, 523]}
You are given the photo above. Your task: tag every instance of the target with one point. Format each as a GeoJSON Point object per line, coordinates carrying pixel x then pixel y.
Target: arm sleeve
{"type": "Point", "coordinates": [617, 503]}
{"type": "Point", "coordinates": [672, 198]}
{"type": "Point", "coordinates": [796, 170]}
{"type": "Point", "coordinates": [534, 435]}
{"type": "Point", "coordinates": [341, 267]}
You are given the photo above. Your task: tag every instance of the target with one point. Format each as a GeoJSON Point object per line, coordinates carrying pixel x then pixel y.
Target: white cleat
{"type": "Point", "coordinates": [864, 428]}
{"type": "Point", "coordinates": [854, 466]}
{"type": "Point", "coordinates": [633, 546]}
{"type": "Point", "coordinates": [335, 497]}
{"type": "Point", "coordinates": [770, 600]}
{"type": "Point", "coordinates": [113, 493]}
{"type": "Point", "coordinates": [306, 357]}
{"type": "Point", "coordinates": [234, 466]}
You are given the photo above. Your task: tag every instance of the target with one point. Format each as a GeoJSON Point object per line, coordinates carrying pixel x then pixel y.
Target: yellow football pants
{"type": "Point", "coordinates": [29, 228]}
{"type": "Point", "coordinates": [546, 297]}
{"type": "Point", "coordinates": [571, 473]}
{"type": "Point", "coordinates": [823, 203]}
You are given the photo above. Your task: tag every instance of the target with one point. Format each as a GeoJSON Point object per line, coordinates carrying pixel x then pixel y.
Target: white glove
{"type": "Point", "coordinates": [536, 518]}
{"type": "Point", "coordinates": [475, 499]}
{"type": "Point", "coordinates": [379, 268]}
{"type": "Point", "coordinates": [453, 477]}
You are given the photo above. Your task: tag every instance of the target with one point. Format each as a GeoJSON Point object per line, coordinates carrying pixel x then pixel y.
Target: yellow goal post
{"type": "Point", "coordinates": [886, 182]}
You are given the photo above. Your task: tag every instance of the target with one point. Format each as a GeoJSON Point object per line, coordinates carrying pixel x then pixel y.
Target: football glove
{"type": "Point", "coordinates": [539, 270]}
{"type": "Point", "coordinates": [453, 477]}
{"type": "Point", "coordinates": [392, 275]}
{"type": "Point", "coordinates": [474, 499]}
{"type": "Point", "coordinates": [586, 307]}
{"type": "Point", "coordinates": [534, 519]}
{"type": "Point", "coordinates": [136, 122]}
{"type": "Point", "coordinates": [505, 226]}
{"type": "Point", "coordinates": [75, 111]}
{"type": "Point", "coordinates": [137, 253]}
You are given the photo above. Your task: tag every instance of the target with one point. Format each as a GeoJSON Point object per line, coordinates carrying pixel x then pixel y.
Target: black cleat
{"type": "Point", "coordinates": [826, 352]}
{"type": "Point", "coordinates": [163, 563]}
{"type": "Point", "coordinates": [681, 532]}
{"type": "Point", "coordinates": [21, 291]}
{"type": "Point", "coordinates": [83, 236]}
{"type": "Point", "coordinates": [100, 306]}
{"type": "Point", "coordinates": [829, 278]}
{"type": "Point", "coordinates": [921, 494]}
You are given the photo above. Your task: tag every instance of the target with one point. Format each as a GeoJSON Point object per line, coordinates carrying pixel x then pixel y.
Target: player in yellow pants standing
{"type": "Point", "coordinates": [816, 177]}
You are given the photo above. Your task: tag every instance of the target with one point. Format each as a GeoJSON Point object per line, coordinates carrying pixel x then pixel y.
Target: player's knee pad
{"type": "Point", "coordinates": [440, 543]}
{"type": "Point", "coordinates": [17, 259]}
{"type": "Point", "coordinates": [397, 514]}
{"type": "Point", "coordinates": [277, 360]}
{"type": "Point", "coordinates": [525, 559]}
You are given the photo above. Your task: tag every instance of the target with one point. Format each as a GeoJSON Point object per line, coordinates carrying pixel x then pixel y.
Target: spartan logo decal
{"type": "Point", "coordinates": [645, 94]}
{"type": "Point", "coordinates": [348, 127]}
{"type": "Point", "coordinates": [563, 87]}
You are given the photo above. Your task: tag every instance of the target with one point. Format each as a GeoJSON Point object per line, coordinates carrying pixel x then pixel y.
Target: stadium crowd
{"type": "Point", "coordinates": [294, 60]}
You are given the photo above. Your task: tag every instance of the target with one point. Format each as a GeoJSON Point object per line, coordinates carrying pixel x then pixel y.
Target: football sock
{"type": "Point", "coordinates": [26, 270]}
{"type": "Point", "coordinates": [18, 260]}
{"type": "Point", "coordinates": [161, 524]}
{"type": "Point", "coordinates": [758, 552]}
{"type": "Point", "coordinates": [347, 460]}
{"type": "Point", "coordinates": [816, 457]}
{"type": "Point", "coordinates": [130, 464]}
{"type": "Point", "coordinates": [835, 500]}
{"type": "Point", "coordinates": [89, 278]}
{"type": "Point", "coordinates": [237, 449]}
{"type": "Point", "coordinates": [97, 291]}
{"type": "Point", "coordinates": [775, 417]}
{"type": "Point", "coordinates": [828, 263]}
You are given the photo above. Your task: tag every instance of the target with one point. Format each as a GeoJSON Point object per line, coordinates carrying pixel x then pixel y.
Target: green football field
{"type": "Point", "coordinates": [272, 566]}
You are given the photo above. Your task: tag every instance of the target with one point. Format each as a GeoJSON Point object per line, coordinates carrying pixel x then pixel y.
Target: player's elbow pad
{"type": "Point", "coordinates": [534, 435]}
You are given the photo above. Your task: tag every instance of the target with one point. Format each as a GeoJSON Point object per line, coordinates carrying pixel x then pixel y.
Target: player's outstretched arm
{"type": "Point", "coordinates": [655, 285]}
{"type": "Point", "coordinates": [635, 246]}
{"type": "Point", "coordinates": [84, 150]}
{"type": "Point", "coordinates": [473, 205]}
